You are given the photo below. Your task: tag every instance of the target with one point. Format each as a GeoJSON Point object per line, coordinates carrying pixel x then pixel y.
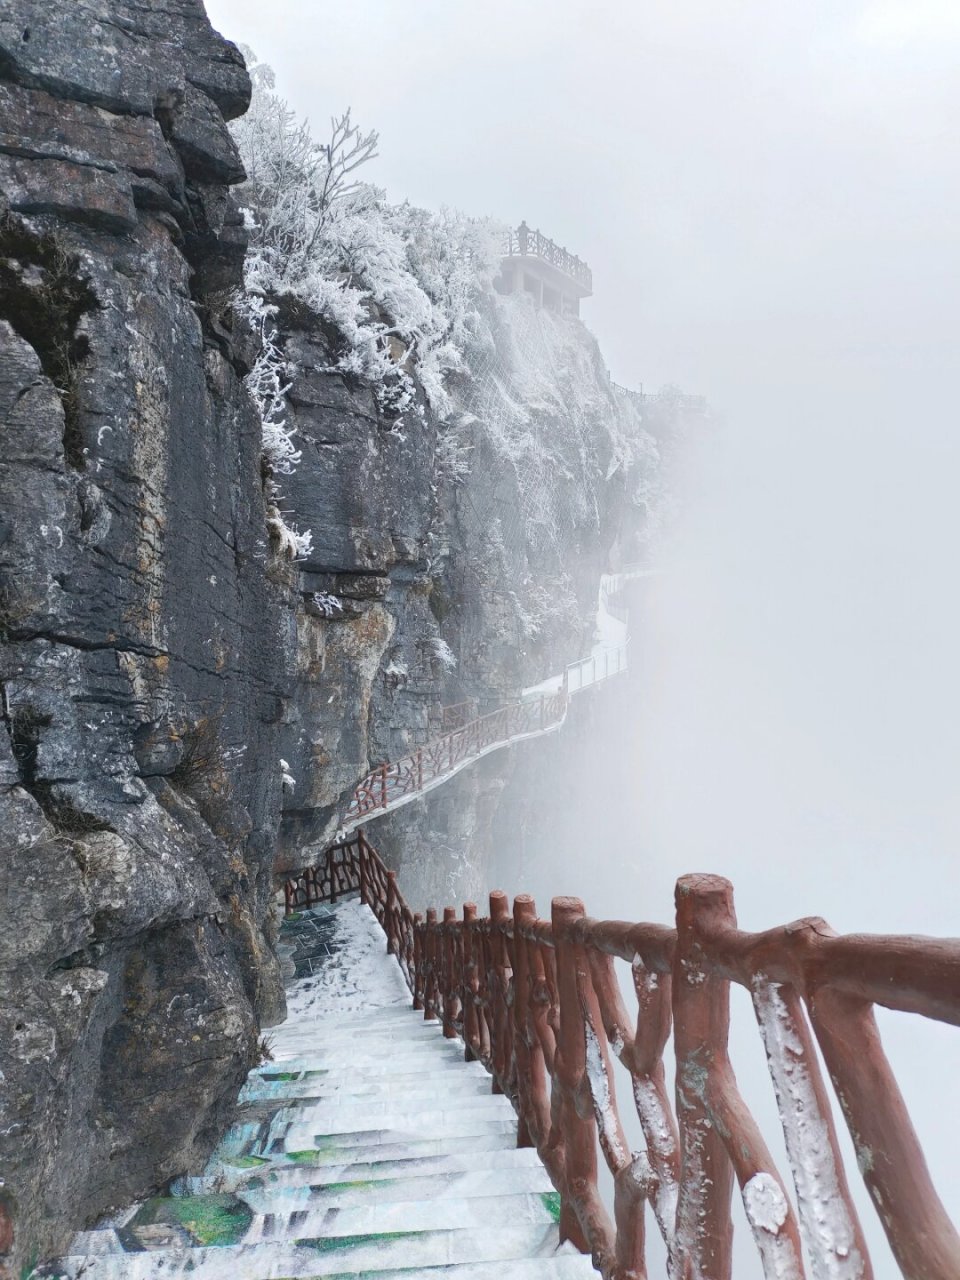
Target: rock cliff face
{"type": "Point", "coordinates": [159, 655]}
{"type": "Point", "coordinates": [142, 661]}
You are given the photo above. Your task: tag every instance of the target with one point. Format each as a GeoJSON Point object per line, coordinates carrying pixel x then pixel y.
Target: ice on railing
{"type": "Point", "coordinates": [828, 1232]}
{"type": "Point", "coordinates": [767, 1210]}
{"type": "Point", "coordinates": [692, 1194]}
{"type": "Point", "coordinates": [603, 1106]}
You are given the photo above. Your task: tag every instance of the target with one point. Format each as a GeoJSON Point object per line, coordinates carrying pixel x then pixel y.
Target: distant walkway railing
{"type": "Point", "coordinates": [533, 244]}
{"type": "Point", "coordinates": [627, 393]}
{"type": "Point", "coordinates": [649, 399]}
{"type": "Point", "coordinates": [595, 669]}
{"type": "Point", "coordinates": [539, 1004]}
{"type": "Point", "coordinates": [465, 736]}
{"type": "Point", "coordinates": [391, 785]}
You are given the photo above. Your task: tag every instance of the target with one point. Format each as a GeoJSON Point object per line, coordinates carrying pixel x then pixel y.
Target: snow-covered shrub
{"type": "Point", "coordinates": [327, 604]}
{"type": "Point", "coordinates": [268, 382]}
{"type": "Point", "coordinates": [406, 300]}
{"type": "Point", "coordinates": [441, 651]}
{"type": "Point", "coordinates": [373, 271]}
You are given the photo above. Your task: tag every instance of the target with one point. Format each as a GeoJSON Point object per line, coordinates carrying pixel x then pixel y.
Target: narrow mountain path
{"type": "Point", "coordinates": [366, 1147]}
{"type": "Point", "coordinates": [540, 709]}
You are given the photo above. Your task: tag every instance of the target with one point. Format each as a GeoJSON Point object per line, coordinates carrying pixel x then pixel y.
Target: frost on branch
{"type": "Point", "coordinates": [268, 382]}
{"type": "Point", "coordinates": [327, 604]}
{"type": "Point", "coordinates": [387, 278]}
{"type": "Point", "coordinates": [406, 305]}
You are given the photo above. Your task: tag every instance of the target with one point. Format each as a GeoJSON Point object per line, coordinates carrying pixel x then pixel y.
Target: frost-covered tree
{"type": "Point", "coordinates": [407, 296]}
{"type": "Point", "coordinates": [401, 286]}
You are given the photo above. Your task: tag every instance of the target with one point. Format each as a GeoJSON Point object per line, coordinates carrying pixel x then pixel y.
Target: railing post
{"type": "Point", "coordinates": [389, 920]}
{"type": "Point", "coordinates": [532, 1097]}
{"type": "Point", "coordinates": [419, 768]}
{"type": "Point", "coordinates": [922, 1237]}
{"type": "Point", "coordinates": [449, 993]}
{"type": "Point", "coordinates": [580, 1207]}
{"type": "Point", "coordinates": [470, 985]}
{"type": "Point", "coordinates": [364, 871]}
{"type": "Point", "coordinates": [383, 786]}
{"type": "Point", "coordinates": [701, 1015]}
{"type": "Point", "coordinates": [419, 963]}
{"type": "Point", "coordinates": [543, 712]}
{"type": "Point", "coordinates": [497, 983]}
{"type": "Point", "coordinates": [430, 985]}
{"type": "Point", "coordinates": [330, 876]}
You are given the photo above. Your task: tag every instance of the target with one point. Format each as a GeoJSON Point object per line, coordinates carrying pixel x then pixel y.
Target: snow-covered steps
{"type": "Point", "coordinates": [513, 1249]}
{"type": "Point", "coordinates": [366, 1147]}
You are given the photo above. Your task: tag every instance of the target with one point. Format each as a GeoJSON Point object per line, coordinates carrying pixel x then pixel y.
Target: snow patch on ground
{"type": "Point", "coordinates": [361, 975]}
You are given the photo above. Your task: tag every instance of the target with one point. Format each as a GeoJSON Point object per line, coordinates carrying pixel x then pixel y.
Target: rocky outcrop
{"type": "Point", "coordinates": [143, 657]}
{"type": "Point", "coordinates": [160, 655]}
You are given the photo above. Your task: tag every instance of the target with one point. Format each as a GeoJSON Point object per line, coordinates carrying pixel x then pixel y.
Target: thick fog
{"type": "Point", "coordinates": [768, 197]}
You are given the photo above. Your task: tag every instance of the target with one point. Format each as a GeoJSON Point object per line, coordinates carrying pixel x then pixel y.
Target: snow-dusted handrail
{"type": "Point", "coordinates": [391, 785]}
{"type": "Point", "coordinates": [538, 1002]}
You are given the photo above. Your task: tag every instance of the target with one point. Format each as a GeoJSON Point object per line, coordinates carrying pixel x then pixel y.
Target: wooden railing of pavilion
{"type": "Point", "coordinates": [539, 1004]}
{"type": "Point", "coordinates": [525, 243]}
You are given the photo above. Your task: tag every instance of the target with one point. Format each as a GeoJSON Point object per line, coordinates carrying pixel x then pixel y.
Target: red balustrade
{"type": "Point", "coordinates": [391, 784]}
{"type": "Point", "coordinates": [539, 1004]}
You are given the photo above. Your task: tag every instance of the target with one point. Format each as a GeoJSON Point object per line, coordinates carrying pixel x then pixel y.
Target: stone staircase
{"type": "Point", "coordinates": [365, 1148]}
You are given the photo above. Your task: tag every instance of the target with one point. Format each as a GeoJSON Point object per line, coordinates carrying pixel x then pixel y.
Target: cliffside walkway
{"type": "Point", "coordinates": [367, 1147]}
{"type": "Point", "coordinates": [541, 709]}
{"type": "Point", "coordinates": [540, 1004]}
{"type": "Point", "coordinates": [383, 1140]}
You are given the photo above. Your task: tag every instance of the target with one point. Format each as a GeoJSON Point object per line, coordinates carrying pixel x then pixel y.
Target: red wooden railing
{"type": "Point", "coordinates": [538, 1002]}
{"type": "Point", "coordinates": [456, 714]}
{"type": "Point", "coordinates": [394, 783]}
{"type": "Point", "coordinates": [390, 785]}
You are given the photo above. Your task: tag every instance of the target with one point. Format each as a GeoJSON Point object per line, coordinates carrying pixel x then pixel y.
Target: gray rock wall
{"type": "Point", "coordinates": [144, 663]}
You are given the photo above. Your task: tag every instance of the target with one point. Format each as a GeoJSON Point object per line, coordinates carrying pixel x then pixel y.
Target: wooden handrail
{"type": "Point", "coordinates": [525, 243]}
{"type": "Point", "coordinates": [539, 1004]}
{"type": "Point", "coordinates": [390, 785]}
